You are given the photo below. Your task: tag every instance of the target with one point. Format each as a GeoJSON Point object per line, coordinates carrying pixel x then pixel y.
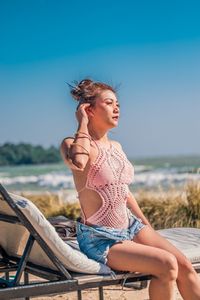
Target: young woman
{"type": "Point", "coordinates": [102, 173]}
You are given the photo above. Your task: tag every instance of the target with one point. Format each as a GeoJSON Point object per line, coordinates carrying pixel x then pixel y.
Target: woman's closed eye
{"type": "Point", "coordinates": [111, 103]}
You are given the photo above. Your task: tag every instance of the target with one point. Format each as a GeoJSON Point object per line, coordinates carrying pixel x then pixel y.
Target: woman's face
{"type": "Point", "coordinates": [106, 110]}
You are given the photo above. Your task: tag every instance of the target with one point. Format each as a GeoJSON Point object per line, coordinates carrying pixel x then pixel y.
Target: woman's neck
{"type": "Point", "coordinates": [100, 134]}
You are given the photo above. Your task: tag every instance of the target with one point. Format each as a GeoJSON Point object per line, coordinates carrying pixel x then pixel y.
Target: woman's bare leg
{"type": "Point", "coordinates": [131, 256]}
{"type": "Point", "coordinates": [188, 281]}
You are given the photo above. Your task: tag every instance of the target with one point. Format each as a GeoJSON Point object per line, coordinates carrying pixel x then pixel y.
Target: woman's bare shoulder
{"type": "Point", "coordinates": [67, 141]}
{"type": "Point", "coordinates": [67, 154]}
{"type": "Point", "coordinates": [116, 144]}
{"type": "Point", "coordinates": [65, 150]}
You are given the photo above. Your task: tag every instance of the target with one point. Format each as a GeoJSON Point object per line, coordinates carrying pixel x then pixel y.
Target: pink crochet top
{"type": "Point", "coordinates": [109, 176]}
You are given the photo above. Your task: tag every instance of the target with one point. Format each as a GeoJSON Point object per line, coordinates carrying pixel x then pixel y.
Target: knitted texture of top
{"type": "Point", "coordinates": [109, 175]}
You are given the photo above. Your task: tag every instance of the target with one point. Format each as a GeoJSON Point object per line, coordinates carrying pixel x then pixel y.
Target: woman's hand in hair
{"type": "Point", "coordinates": [81, 113]}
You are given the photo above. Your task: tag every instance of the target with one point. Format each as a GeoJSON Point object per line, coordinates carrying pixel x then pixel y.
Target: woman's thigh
{"type": "Point", "coordinates": [148, 236]}
{"type": "Point", "coordinates": [135, 257]}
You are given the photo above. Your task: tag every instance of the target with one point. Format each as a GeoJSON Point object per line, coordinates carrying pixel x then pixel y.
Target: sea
{"type": "Point", "coordinates": [150, 174]}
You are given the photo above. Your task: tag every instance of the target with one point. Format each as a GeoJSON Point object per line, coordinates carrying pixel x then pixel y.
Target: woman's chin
{"type": "Point", "coordinates": [114, 124]}
{"type": "Point", "coordinates": [116, 121]}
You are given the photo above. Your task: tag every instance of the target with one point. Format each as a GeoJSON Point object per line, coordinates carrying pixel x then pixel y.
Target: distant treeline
{"type": "Point", "coordinates": [18, 154]}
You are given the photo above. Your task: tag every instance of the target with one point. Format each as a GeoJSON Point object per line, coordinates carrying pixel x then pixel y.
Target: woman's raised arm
{"type": "Point", "coordinates": [76, 151]}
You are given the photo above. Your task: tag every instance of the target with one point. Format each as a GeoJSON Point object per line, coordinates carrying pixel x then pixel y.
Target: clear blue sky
{"type": "Point", "coordinates": [150, 48]}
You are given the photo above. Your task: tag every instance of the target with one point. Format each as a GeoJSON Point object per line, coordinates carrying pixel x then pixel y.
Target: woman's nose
{"type": "Point", "coordinates": [116, 108]}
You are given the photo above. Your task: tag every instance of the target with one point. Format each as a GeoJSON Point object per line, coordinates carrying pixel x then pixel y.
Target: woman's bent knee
{"type": "Point", "coordinates": [169, 271]}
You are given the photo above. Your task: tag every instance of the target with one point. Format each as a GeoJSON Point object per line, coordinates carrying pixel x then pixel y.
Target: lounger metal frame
{"type": "Point", "coordinates": [57, 282]}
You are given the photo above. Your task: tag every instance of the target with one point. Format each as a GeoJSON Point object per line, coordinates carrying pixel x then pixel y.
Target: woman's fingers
{"type": "Point", "coordinates": [81, 112]}
{"type": "Point", "coordinates": [83, 106]}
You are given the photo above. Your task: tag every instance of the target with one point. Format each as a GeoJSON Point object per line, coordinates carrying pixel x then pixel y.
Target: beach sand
{"type": "Point", "coordinates": [110, 293]}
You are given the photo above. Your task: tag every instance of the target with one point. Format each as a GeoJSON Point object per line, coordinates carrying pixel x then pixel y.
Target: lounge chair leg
{"type": "Point", "coordinates": [100, 293]}
{"type": "Point", "coordinates": [26, 278]}
{"type": "Point", "coordinates": [79, 295]}
{"type": "Point", "coordinates": [24, 259]}
{"type": "Point", "coordinates": [26, 281]}
{"type": "Point", "coordinates": [7, 275]}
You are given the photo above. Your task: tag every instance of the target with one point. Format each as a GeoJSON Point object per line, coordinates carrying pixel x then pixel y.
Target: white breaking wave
{"type": "Point", "coordinates": [154, 178]}
{"type": "Point", "coordinates": [19, 179]}
{"type": "Point", "coordinates": [57, 180]}
{"type": "Point", "coordinates": [61, 180]}
{"type": "Point", "coordinates": [141, 168]}
{"type": "Point", "coordinates": [53, 180]}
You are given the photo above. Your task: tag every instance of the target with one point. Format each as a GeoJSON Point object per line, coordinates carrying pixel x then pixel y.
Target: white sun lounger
{"type": "Point", "coordinates": [29, 244]}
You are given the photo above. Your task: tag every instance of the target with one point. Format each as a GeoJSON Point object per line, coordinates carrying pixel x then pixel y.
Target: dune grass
{"type": "Point", "coordinates": [172, 209]}
{"type": "Point", "coordinates": [163, 209]}
{"type": "Point", "coordinates": [50, 205]}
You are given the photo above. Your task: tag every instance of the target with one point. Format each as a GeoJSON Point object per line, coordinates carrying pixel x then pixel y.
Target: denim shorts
{"type": "Point", "coordinates": [95, 240]}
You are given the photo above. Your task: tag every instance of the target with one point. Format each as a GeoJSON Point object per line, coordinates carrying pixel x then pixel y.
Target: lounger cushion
{"type": "Point", "coordinates": [71, 257]}
{"type": "Point", "coordinates": [186, 239]}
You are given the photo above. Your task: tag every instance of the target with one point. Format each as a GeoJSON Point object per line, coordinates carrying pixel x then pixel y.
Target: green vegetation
{"type": "Point", "coordinates": [162, 209]}
{"type": "Point", "coordinates": [11, 154]}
